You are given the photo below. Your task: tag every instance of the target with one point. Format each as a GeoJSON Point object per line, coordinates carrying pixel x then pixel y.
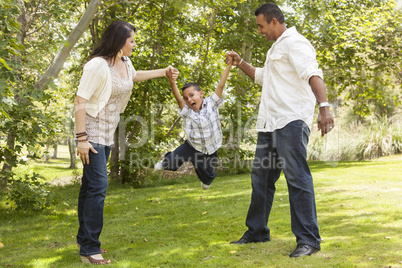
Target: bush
{"type": "Point", "coordinates": [28, 193]}
{"type": "Point", "coordinates": [357, 141]}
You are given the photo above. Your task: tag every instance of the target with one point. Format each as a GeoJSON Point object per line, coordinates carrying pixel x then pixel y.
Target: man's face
{"type": "Point", "coordinates": [193, 98]}
{"type": "Point", "coordinates": [266, 29]}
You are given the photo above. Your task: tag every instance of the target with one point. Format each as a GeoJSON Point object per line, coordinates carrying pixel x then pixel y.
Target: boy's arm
{"type": "Point", "coordinates": [175, 90]}
{"type": "Point", "coordinates": [221, 85]}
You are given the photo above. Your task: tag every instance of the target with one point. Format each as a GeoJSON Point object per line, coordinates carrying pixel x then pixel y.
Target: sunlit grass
{"type": "Point", "coordinates": [54, 170]}
{"type": "Point", "coordinates": [180, 225]}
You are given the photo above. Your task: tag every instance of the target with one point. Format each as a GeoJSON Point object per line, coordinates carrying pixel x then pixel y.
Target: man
{"type": "Point", "coordinates": [291, 83]}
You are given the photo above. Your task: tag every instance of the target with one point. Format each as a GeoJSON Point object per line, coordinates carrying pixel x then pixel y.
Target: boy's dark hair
{"type": "Point", "coordinates": [270, 11]}
{"type": "Point", "coordinates": [197, 87]}
{"type": "Point", "coordinates": [113, 39]}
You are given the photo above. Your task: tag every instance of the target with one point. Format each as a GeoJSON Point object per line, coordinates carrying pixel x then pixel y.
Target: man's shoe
{"type": "Point", "coordinates": [303, 250]}
{"type": "Point", "coordinates": [242, 240]}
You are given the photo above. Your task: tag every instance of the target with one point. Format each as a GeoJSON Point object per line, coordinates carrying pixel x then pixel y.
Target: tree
{"type": "Point", "coordinates": [25, 123]}
{"type": "Point", "coordinates": [358, 46]}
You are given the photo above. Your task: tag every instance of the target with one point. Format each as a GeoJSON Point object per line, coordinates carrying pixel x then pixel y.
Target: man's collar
{"type": "Point", "coordinates": [288, 32]}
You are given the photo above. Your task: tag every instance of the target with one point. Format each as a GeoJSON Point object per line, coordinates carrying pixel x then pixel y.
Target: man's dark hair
{"type": "Point", "coordinates": [197, 87]}
{"type": "Point", "coordinates": [270, 11]}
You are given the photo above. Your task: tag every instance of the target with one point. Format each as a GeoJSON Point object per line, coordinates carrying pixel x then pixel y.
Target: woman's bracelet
{"type": "Point", "coordinates": [81, 134]}
{"type": "Point", "coordinates": [86, 139]}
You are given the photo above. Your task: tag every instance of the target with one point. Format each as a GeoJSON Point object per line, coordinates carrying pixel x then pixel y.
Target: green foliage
{"type": "Point", "coordinates": [194, 38]}
{"type": "Point", "coordinates": [29, 193]}
{"type": "Point", "coordinates": [29, 43]}
{"type": "Point", "coordinates": [371, 139]}
{"type": "Point", "coordinates": [9, 48]}
{"type": "Point", "coordinates": [358, 46]}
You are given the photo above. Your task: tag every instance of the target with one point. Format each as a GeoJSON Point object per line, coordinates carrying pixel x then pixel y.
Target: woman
{"type": "Point", "coordinates": [103, 94]}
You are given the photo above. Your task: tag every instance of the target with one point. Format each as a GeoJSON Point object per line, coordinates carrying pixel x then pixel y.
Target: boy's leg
{"type": "Point", "coordinates": [174, 160]}
{"type": "Point", "coordinates": [204, 166]}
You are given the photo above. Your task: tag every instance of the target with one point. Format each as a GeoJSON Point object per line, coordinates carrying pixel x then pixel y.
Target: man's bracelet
{"type": "Point", "coordinates": [238, 65]}
{"type": "Point", "coordinates": [323, 104]}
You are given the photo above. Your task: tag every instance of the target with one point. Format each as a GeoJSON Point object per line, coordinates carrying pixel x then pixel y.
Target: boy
{"type": "Point", "coordinates": [202, 127]}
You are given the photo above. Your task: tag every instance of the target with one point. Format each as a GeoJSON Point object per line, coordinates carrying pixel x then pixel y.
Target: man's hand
{"type": "Point", "coordinates": [171, 73]}
{"type": "Point", "coordinates": [234, 57]}
{"type": "Point", "coordinates": [325, 120]}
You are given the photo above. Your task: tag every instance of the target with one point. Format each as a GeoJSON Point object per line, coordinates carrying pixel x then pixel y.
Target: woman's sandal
{"type": "Point", "coordinates": [102, 249]}
{"type": "Point", "coordinates": [89, 259]}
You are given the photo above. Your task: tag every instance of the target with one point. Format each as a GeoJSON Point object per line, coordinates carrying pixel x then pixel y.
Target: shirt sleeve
{"type": "Point", "coordinates": [90, 81]}
{"type": "Point", "coordinates": [259, 76]}
{"type": "Point", "coordinates": [303, 58]}
{"type": "Point", "coordinates": [185, 112]}
{"type": "Point", "coordinates": [216, 100]}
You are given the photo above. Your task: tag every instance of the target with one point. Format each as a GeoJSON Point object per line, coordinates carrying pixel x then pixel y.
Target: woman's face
{"type": "Point", "coordinates": [129, 45]}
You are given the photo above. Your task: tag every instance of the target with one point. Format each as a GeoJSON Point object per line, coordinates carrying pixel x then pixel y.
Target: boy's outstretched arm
{"type": "Point", "coordinates": [170, 75]}
{"type": "Point", "coordinates": [221, 85]}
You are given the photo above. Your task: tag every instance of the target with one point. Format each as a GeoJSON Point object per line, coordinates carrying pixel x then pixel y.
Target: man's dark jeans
{"type": "Point", "coordinates": [284, 149]}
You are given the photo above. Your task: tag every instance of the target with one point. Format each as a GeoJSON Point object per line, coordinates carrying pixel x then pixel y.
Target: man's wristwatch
{"type": "Point", "coordinates": [323, 104]}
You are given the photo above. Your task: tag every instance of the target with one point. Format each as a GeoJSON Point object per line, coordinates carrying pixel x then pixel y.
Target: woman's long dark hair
{"type": "Point", "coordinates": [113, 39]}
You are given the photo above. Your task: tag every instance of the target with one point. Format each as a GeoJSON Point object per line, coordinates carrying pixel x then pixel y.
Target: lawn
{"type": "Point", "coordinates": [55, 170]}
{"type": "Point", "coordinates": [179, 225]}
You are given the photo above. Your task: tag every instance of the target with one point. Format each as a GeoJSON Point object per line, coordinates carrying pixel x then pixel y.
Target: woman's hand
{"type": "Point", "coordinates": [83, 151]}
{"type": "Point", "coordinates": [174, 72]}
{"type": "Point", "coordinates": [234, 57]}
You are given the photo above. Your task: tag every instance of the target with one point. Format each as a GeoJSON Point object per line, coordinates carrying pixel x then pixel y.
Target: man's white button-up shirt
{"type": "Point", "coordinates": [286, 92]}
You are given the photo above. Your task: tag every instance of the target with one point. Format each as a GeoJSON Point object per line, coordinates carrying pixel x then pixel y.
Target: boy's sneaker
{"type": "Point", "coordinates": [204, 186]}
{"type": "Point", "coordinates": [158, 166]}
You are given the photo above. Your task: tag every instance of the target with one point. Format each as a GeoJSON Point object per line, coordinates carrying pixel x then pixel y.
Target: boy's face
{"type": "Point", "coordinates": [193, 98]}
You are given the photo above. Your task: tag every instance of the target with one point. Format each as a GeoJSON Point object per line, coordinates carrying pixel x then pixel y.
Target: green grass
{"type": "Point", "coordinates": [54, 170]}
{"type": "Point", "coordinates": [180, 225]}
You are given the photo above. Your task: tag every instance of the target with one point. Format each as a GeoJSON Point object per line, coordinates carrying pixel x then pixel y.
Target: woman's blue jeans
{"type": "Point", "coordinates": [91, 200]}
{"type": "Point", "coordinates": [284, 149]}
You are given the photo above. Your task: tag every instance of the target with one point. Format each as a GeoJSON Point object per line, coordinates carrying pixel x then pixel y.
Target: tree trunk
{"type": "Point", "coordinates": [6, 170]}
{"type": "Point", "coordinates": [114, 158]}
{"type": "Point", "coordinates": [47, 153]}
{"type": "Point", "coordinates": [54, 151]}
{"type": "Point", "coordinates": [54, 69]}
{"type": "Point", "coordinates": [71, 149]}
